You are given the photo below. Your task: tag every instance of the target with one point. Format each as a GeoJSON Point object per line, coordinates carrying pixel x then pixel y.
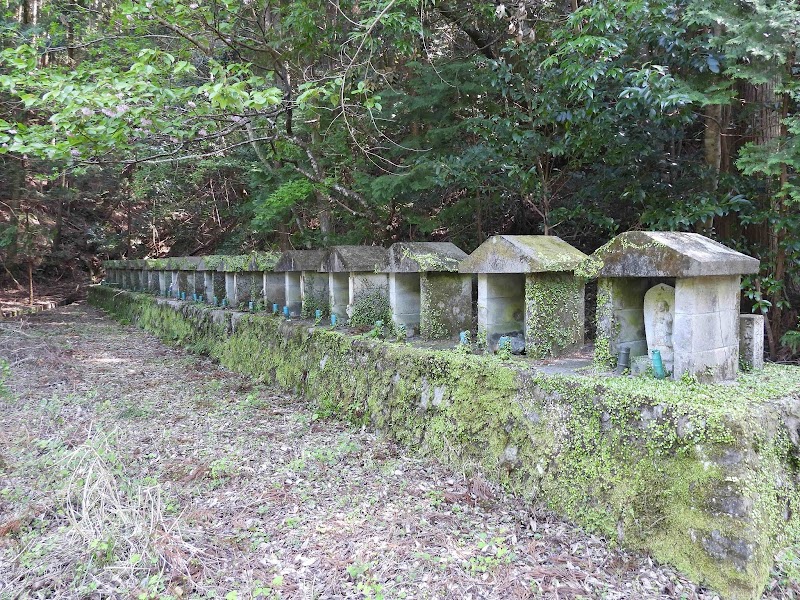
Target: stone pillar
{"type": "Point", "coordinates": [230, 288]}
{"type": "Point", "coordinates": [274, 289]}
{"type": "Point", "coordinates": [554, 314]}
{"type": "Point", "coordinates": [164, 282]}
{"type": "Point", "coordinates": [751, 341]}
{"type": "Point", "coordinates": [445, 307]}
{"type": "Point", "coordinates": [706, 330]}
{"type": "Point", "coordinates": [293, 297]}
{"type": "Point", "coordinates": [339, 293]}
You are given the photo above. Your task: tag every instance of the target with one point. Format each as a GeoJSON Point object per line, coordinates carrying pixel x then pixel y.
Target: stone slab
{"type": "Point", "coordinates": [670, 254]}
{"type": "Point", "coordinates": [751, 341]}
{"type": "Point", "coordinates": [522, 254]}
{"type": "Point", "coordinates": [300, 260]}
{"type": "Point", "coordinates": [355, 259]}
{"type": "Point", "coordinates": [416, 257]}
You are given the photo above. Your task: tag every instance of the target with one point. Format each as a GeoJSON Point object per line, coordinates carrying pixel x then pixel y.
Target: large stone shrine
{"type": "Point", "coordinates": [426, 291]}
{"type": "Point", "coordinates": [528, 291]}
{"type": "Point", "coordinates": [705, 320]}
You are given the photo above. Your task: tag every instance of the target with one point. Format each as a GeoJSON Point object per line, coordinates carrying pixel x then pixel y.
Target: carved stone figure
{"type": "Point", "coordinates": [659, 318]}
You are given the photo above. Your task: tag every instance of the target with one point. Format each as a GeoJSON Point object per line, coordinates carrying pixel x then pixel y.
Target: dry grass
{"type": "Point", "coordinates": [132, 470]}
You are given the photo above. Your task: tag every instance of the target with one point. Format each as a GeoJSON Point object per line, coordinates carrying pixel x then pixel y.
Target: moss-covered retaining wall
{"type": "Point", "coordinates": [704, 477]}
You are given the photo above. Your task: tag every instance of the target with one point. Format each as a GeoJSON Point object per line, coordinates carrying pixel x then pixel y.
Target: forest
{"type": "Point", "coordinates": [152, 128]}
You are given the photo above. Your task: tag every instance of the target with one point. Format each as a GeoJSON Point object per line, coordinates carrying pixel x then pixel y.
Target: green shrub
{"type": "Point", "coordinates": [371, 304]}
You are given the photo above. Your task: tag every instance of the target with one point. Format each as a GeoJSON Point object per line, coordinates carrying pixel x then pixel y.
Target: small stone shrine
{"type": "Point", "coordinates": [351, 270]}
{"type": "Point", "coordinates": [213, 278]}
{"type": "Point", "coordinates": [678, 293]}
{"type": "Point", "coordinates": [426, 291]}
{"type": "Point", "coordinates": [184, 275]}
{"type": "Point", "coordinates": [527, 291]}
{"type": "Point", "coordinates": [304, 285]}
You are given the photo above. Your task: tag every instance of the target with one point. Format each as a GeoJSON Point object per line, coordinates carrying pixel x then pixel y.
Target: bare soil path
{"type": "Point", "coordinates": [129, 469]}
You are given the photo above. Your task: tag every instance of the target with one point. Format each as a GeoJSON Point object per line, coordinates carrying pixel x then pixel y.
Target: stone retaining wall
{"type": "Point", "coordinates": [702, 476]}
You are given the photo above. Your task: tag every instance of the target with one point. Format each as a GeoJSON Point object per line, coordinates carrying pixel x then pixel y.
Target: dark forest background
{"type": "Point", "coordinates": [150, 128]}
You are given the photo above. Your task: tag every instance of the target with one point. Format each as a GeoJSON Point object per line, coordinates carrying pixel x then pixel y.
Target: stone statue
{"type": "Point", "coordinates": [659, 317]}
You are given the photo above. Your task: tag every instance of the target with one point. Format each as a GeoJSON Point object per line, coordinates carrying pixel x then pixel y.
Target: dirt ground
{"type": "Point", "coordinates": [15, 301]}
{"type": "Point", "coordinates": [130, 469]}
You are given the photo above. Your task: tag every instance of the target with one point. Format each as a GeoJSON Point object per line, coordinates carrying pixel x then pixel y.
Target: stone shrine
{"type": "Point", "coordinates": [528, 291]}
{"type": "Point", "coordinates": [706, 278]}
{"type": "Point", "coordinates": [426, 291]}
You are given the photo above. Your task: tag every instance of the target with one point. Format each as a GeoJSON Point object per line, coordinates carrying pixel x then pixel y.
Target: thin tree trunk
{"type": "Point", "coordinates": [764, 126]}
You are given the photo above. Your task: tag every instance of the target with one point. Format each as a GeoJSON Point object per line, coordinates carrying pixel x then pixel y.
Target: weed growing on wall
{"type": "Point", "coordinates": [314, 300]}
{"type": "Point", "coordinates": [371, 304]}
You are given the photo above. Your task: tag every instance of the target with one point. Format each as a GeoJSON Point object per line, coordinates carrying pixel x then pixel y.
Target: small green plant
{"type": "Point", "coordinates": [791, 339]}
{"type": "Point", "coordinates": [504, 350]}
{"type": "Point", "coordinates": [102, 551]}
{"type": "Point", "coordinates": [481, 341]}
{"type": "Point", "coordinates": [220, 469]}
{"type": "Point", "coordinates": [493, 554]}
{"type": "Point", "coordinates": [400, 332]}
{"type": "Point", "coordinates": [358, 569]}
{"type": "Point", "coordinates": [377, 331]}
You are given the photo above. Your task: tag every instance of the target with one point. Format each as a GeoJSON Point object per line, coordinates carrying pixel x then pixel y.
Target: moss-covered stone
{"type": "Point", "coordinates": [703, 476]}
{"type": "Point", "coordinates": [554, 307]}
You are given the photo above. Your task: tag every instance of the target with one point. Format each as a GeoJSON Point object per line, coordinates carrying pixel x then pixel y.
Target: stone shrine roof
{"type": "Point", "coordinates": [416, 257]}
{"type": "Point", "coordinates": [355, 259]}
{"type": "Point", "coordinates": [522, 254]}
{"type": "Point", "coordinates": [300, 260]}
{"type": "Point", "coordinates": [670, 254]}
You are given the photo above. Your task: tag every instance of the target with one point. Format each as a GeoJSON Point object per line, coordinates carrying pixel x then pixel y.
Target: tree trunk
{"type": "Point", "coordinates": [30, 282]}
{"type": "Point", "coordinates": [763, 110]}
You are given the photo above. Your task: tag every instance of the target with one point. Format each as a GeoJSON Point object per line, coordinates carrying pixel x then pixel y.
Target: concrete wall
{"type": "Point", "coordinates": [703, 476]}
{"type": "Point", "coordinates": [275, 289]}
{"type": "Point", "coordinates": [360, 281]}
{"type": "Point", "coordinates": [294, 299]}
{"type": "Point", "coordinates": [314, 288]}
{"type": "Point", "coordinates": [404, 298]}
{"type": "Point", "coordinates": [706, 330]}
{"type": "Point", "coordinates": [339, 293]}
{"type": "Point", "coordinates": [446, 304]}
{"type": "Point", "coordinates": [501, 305]}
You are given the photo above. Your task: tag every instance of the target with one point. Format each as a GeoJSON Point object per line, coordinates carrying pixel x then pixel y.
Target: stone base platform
{"type": "Point", "coordinates": [702, 476]}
